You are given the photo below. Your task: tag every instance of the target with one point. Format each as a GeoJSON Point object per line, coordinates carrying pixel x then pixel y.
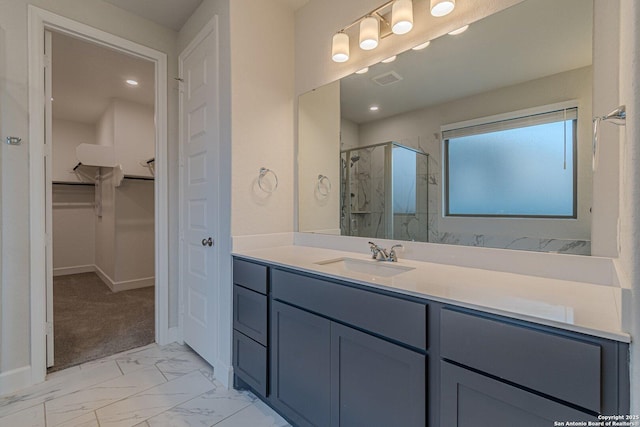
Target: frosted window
{"type": "Point", "coordinates": [404, 181]}
{"type": "Point", "coordinates": [527, 171]}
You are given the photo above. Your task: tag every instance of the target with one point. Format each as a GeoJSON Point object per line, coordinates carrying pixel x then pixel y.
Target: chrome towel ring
{"type": "Point", "coordinates": [264, 184]}
{"type": "Point", "coordinates": [323, 185]}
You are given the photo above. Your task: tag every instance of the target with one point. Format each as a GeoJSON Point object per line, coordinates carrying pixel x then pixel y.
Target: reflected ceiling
{"type": "Point", "coordinates": [535, 39]}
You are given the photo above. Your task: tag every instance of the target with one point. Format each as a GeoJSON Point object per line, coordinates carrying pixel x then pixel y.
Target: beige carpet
{"type": "Point", "coordinates": [91, 322]}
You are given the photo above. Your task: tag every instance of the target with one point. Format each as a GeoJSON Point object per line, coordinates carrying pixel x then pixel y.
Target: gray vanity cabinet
{"type": "Point", "coordinates": [375, 382]}
{"type": "Point", "coordinates": [300, 365]}
{"type": "Point", "coordinates": [328, 373]}
{"type": "Point", "coordinates": [505, 372]}
{"type": "Point", "coordinates": [470, 399]}
{"type": "Point", "coordinates": [250, 325]}
{"type": "Point", "coordinates": [326, 352]}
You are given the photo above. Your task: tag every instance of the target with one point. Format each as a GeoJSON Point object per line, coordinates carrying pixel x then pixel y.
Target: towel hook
{"type": "Point", "coordinates": [265, 186]}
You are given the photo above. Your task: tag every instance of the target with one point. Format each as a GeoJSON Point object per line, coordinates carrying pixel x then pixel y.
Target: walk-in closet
{"type": "Point", "coordinates": [101, 201]}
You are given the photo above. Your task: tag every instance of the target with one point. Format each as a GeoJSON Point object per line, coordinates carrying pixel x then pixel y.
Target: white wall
{"type": "Point", "coordinates": [319, 128]}
{"type": "Point", "coordinates": [14, 347]}
{"type": "Point", "coordinates": [74, 229]}
{"type": "Point", "coordinates": [67, 135]}
{"type": "Point", "coordinates": [134, 232]}
{"type": "Point", "coordinates": [262, 115]}
{"type": "Point", "coordinates": [125, 234]}
{"type": "Point", "coordinates": [134, 136]}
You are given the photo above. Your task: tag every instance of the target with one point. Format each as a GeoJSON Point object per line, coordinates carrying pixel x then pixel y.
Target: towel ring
{"type": "Point", "coordinates": [264, 172]}
{"type": "Point", "coordinates": [323, 185]}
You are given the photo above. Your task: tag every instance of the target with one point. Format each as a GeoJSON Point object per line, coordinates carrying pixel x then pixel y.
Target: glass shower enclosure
{"type": "Point", "coordinates": [384, 192]}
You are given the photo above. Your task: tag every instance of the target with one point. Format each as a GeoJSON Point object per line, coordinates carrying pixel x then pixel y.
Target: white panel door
{"type": "Point", "coordinates": [200, 187]}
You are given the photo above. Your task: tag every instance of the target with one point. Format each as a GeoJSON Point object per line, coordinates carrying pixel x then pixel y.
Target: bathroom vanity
{"type": "Point", "coordinates": [377, 348]}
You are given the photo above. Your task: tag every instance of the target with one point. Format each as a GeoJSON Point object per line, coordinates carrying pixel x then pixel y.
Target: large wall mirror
{"type": "Point", "coordinates": [481, 138]}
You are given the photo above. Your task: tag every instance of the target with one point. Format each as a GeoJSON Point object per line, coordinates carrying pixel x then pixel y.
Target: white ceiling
{"type": "Point", "coordinates": [174, 13]}
{"type": "Point", "coordinates": [87, 76]}
{"type": "Point", "coordinates": [168, 13]}
{"type": "Point", "coordinates": [531, 40]}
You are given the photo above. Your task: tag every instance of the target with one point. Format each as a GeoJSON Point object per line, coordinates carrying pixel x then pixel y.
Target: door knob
{"type": "Point", "coordinates": [207, 242]}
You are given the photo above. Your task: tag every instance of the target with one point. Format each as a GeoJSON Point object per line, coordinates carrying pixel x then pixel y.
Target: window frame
{"type": "Point", "coordinates": [505, 117]}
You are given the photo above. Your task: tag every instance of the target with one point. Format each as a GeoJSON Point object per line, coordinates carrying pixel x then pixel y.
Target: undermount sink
{"type": "Point", "coordinates": [373, 268]}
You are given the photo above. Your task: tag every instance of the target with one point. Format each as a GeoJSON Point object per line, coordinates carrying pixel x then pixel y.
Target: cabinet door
{"type": "Point", "coordinates": [375, 382]}
{"type": "Point", "coordinates": [469, 399]}
{"type": "Point", "coordinates": [300, 365]}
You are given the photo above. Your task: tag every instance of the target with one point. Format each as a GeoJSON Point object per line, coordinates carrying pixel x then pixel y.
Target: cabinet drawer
{"type": "Point", "coordinates": [394, 318]}
{"type": "Point", "coordinates": [250, 313]}
{"type": "Point", "coordinates": [562, 367]}
{"type": "Point", "coordinates": [250, 275]}
{"type": "Point", "coordinates": [250, 362]}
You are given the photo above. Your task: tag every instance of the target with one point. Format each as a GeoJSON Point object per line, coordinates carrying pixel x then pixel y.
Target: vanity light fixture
{"type": "Point", "coordinates": [389, 59]}
{"type": "Point", "coordinates": [422, 45]}
{"type": "Point", "coordinates": [393, 17]}
{"type": "Point", "coordinates": [131, 82]}
{"type": "Point", "coordinates": [369, 33]}
{"type": "Point", "coordinates": [362, 70]}
{"type": "Point", "coordinates": [459, 30]}
{"type": "Point", "coordinates": [340, 47]}
{"type": "Point", "coordinates": [402, 16]}
{"type": "Point", "coordinates": [442, 7]}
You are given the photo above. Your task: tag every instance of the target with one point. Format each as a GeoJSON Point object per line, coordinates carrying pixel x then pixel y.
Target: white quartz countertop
{"type": "Point", "coordinates": [575, 306]}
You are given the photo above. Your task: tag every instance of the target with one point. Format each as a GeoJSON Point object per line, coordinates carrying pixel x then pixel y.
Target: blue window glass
{"type": "Point", "coordinates": [526, 171]}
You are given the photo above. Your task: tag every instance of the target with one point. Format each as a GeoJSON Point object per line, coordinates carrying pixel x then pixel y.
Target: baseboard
{"type": "Point", "coordinates": [14, 380]}
{"type": "Point", "coordinates": [173, 335]}
{"type": "Point", "coordinates": [125, 285]}
{"type": "Point", "coordinates": [223, 373]}
{"type": "Point", "coordinates": [65, 271]}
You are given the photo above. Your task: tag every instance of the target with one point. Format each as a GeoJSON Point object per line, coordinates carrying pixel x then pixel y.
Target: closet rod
{"type": "Point", "coordinates": [73, 204]}
{"type": "Point", "coordinates": [73, 183]}
{"type": "Point", "coordinates": [139, 178]}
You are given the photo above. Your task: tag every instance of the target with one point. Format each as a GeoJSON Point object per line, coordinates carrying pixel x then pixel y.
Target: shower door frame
{"type": "Point", "coordinates": [388, 183]}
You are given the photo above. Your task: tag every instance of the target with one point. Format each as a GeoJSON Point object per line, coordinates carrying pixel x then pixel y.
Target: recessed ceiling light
{"type": "Point", "coordinates": [131, 82]}
{"type": "Point", "coordinates": [374, 108]}
{"type": "Point", "coordinates": [422, 46]}
{"type": "Point", "coordinates": [388, 60]}
{"type": "Point", "coordinates": [459, 31]}
{"type": "Point", "coordinates": [363, 70]}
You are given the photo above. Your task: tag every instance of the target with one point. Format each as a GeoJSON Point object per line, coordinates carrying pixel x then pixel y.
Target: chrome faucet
{"type": "Point", "coordinates": [381, 254]}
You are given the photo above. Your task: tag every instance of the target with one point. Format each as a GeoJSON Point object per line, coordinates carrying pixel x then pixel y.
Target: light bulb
{"type": "Point", "coordinates": [389, 59]}
{"type": "Point", "coordinates": [369, 33]}
{"type": "Point", "coordinates": [340, 47]}
{"type": "Point", "coordinates": [402, 16]}
{"type": "Point", "coordinates": [459, 31]}
{"type": "Point", "coordinates": [363, 70]}
{"type": "Point", "coordinates": [442, 7]}
{"type": "Point", "coordinates": [422, 45]}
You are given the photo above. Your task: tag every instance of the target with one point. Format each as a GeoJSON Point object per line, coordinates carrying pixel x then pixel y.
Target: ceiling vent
{"type": "Point", "coordinates": [387, 79]}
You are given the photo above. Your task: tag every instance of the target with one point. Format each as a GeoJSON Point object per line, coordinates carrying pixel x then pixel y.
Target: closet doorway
{"type": "Point", "coordinates": [100, 201]}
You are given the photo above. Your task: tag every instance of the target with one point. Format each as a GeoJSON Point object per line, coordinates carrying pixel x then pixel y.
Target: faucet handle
{"type": "Point", "coordinates": [375, 250]}
{"type": "Point", "coordinates": [392, 253]}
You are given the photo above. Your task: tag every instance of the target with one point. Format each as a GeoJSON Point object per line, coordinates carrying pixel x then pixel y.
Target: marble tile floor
{"type": "Point", "coordinates": [151, 386]}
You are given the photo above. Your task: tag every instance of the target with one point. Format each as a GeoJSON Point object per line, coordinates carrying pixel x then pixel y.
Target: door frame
{"type": "Point", "coordinates": [40, 20]}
